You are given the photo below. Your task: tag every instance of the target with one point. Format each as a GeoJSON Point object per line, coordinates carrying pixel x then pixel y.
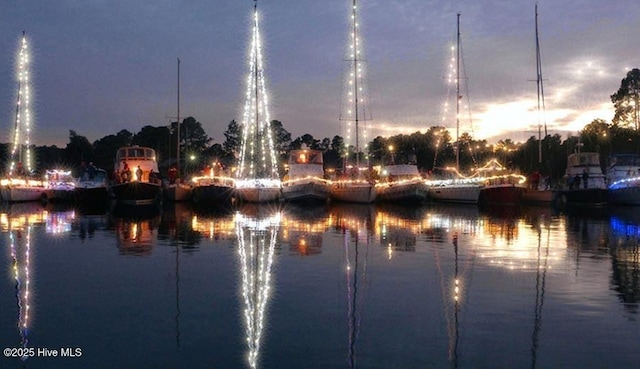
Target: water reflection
{"type": "Point", "coordinates": [214, 224]}
{"type": "Point", "coordinates": [60, 221]}
{"type": "Point", "coordinates": [355, 224]}
{"type": "Point", "coordinates": [536, 265]}
{"type": "Point", "coordinates": [625, 257]}
{"type": "Point", "coordinates": [17, 221]}
{"type": "Point", "coordinates": [450, 223]}
{"type": "Point", "coordinates": [256, 231]}
{"type": "Point", "coordinates": [541, 281]}
{"type": "Point", "coordinates": [136, 228]}
{"type": "Point", "coordinates": [303, 228]}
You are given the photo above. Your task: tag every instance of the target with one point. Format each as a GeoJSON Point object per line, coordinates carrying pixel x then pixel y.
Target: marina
{"type": "Point", "coordinates": [422, 226]}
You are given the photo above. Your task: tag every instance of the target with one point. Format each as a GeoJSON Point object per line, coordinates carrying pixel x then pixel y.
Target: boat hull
{"type": "Point", "coordinates": [503, 194]}
{"type": "Point", "coordinates": [311, 191]}
{"type": "Point", "coordinates": [137, 193]}
{"type": "Point", "coordinates": [455, 194]}
{"type": "Point", "coordinates": [177, 192]}
{"type": "Point", "coordinates": [92, 194]}
{"type": "Point", "coordinates": [258, 194]}
{"type": "Point", "coordinates": [624, 196]}
{"type": "Point", "coordinates": [537, 196]}
{"type": "Point", "coordinates": [53, 195]}
{"type": "Point", "coordinates": [21, 193]}
{"type": "Point", "coordinates": [587, 197]}
{"type": "Point", "coordinates": [356, 193]}
{"type": "Point", "coordinates": [210, 194]}
{"type": "Point", "coordinates": [405, 192]}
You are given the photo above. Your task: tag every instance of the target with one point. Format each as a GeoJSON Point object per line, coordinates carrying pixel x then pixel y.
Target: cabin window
{"type": "Point", "coordinates": [149, 153]}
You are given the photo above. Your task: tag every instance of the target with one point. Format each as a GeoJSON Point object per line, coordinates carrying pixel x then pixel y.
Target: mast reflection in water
{"type": "Point", "coordinates": [436, 286]}
{"type": "Point", "coordinates": [256, 235]}
{"type": "Point", "coordinates": [17, 221]}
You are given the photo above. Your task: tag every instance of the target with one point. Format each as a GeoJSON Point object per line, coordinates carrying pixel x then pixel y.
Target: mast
{"type": "Point", "coordinates": [540, 90]}
{"type": "Point", "coordinates": [458, 95]}
{"type": "Point", "coordinates": [255, 20]}
{"type": "Point", "coordinates": [355, 80]}
{"type": "Point", "coordinates": [178, 125]}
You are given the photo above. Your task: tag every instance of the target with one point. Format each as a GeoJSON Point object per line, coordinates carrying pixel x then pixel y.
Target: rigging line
{"type": "Point", "coordinates": [466, 91]}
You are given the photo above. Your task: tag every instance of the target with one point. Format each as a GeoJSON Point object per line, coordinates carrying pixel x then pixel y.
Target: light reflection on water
{"type": "Point", "coordinates": [322, 286]}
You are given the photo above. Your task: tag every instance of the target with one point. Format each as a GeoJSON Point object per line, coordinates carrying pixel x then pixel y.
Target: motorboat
{"type": "Point", "coordinates": [584, 182]}
{"type": "Point", "coordinates": [59, 185]}
{"type": "Point", "coordinates": [137, 181]}
{"type": "Point", "coordinates": [305, 180]}
{"type": "Point", "coordinates": [401, 182]}
{"type": "Point", "coordinates": [623, 179]}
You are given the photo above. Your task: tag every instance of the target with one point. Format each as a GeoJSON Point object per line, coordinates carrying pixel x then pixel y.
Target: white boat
{"type": "Point", "coordinates": [18, 185]}
{"type": "Point", "coordinates": [257, 178]}
{"type": "Point", "coordinates": [451, 186]}
{"type": "Point", "coordinates": [21, 190]}
{"type": "Point", "coordinates": [585, 184]}
{"type": "Point", "coordinates": [258, 190]}
{"type": "Point", "coordinates": [356, 186]}
{"type": "Point", "coordinates": [623, 178]}
{"type": "Point", "coordinates": [454, 190]}
{"type": "Point", "coordinates": [92, 186]}
{"type": "Point", "coordinates": [356, 191]}
{"type": "Point", "coordinates": [305, 180]}
{"type": "Point", "coordinates": [137, 181]}
{"type": "Point", "coordinates": [401, 182]}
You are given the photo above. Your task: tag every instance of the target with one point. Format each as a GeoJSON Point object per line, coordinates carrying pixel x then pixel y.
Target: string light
{"type": "Point", "coordinates": [258, 159]}
{"type": "Point", "coordinates": [23, 113]}
{"type": "Point", "coordinates": [256, 248]}
{"type": "Point", "coordinates": [355, 112]}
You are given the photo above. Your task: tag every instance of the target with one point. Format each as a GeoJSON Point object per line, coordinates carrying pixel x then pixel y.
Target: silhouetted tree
{"type": "Point", "coordinates": [105, 148]}
{"type": "Point", "coordinates": [157, 138]}
{"type": "Point", "coordinates": [78, 149]}
{"type": "Point", "coordinates": [626, 100]}
{"type": "Point", "coordinates": [281, 138]}
{"type": "Point", "coordinates": [233, 139]}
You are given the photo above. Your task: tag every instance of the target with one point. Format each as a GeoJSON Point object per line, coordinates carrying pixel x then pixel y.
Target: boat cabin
{"type": "Point", "coordinates": [136, 163]}
{"type": "Point", "coordinates": [305, 163]}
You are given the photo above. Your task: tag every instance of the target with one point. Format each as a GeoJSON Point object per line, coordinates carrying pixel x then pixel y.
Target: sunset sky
{"type": "Point", "coordinates": [101, 66]}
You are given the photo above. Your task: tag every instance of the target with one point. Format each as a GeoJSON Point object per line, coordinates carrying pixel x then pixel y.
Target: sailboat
{"type": "Point", "coordinates": [456, 188]}
{"type": "Point", "coordinates": [257, 177]}
{"type": "Point", "coordinates": [539, 191]}
{"type": "Point", "coordinates": [354, 186]}
{"type": "Point", "coordinates": [19, 185]}
{"type": "Point", "coordinates": [175, 189]}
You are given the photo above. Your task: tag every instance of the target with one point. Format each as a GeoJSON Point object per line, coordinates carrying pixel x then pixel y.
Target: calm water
{"type": "Point", "coordinates": [320, 287]}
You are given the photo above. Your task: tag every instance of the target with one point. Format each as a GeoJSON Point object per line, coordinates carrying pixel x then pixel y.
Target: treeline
{"type": "Point", "coordinates": [430, 150]}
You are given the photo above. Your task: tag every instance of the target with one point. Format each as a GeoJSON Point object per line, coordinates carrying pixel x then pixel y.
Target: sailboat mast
{"type": "Point", "coordinates": [541, 105]}
{"type": "Point", "coordinates": [458, 95]}
{"type": "Point", "coordinates": [355, 80]}
{"type": "Point", "coordinates": [255, 20]}
{"type": "Point", "coordinates": [16, 131]}
{"type": "Point", "coordinates": [178, 124]}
